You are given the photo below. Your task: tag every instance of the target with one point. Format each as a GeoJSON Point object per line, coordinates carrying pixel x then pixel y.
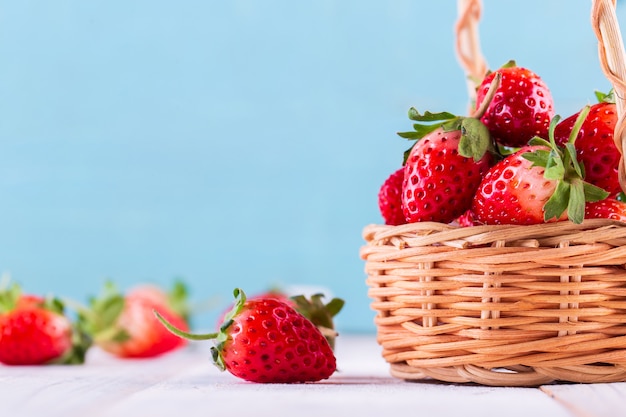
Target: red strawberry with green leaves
{"type": "Point", "coordinates": [36, 331]}
{"type": "Point", "coordinates": [606, 209]}
{"type": "Point", "coordinates": [313, 308]}
{"type": "Point", "coordinates": [539, 183]}
{"type": "Point", "coordinates": [390, 199]}
{"type": "Point", "coordinates": [521, 109]}
{"type": "Point", "coordinates": [595, 146]}
{"type": "Point", "coordinates": [268, 341]}
{"type": "Point", "coordinates": [443, 169]}
{"type": "Point", "coordinates": [124, 324]}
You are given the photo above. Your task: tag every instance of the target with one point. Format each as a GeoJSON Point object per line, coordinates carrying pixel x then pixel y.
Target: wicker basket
{"type": "Point", "coordinates": [505, 305]}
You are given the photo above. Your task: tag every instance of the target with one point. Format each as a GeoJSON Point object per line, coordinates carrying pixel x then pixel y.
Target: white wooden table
{"type": "Point", "coordinates": [186, 383]}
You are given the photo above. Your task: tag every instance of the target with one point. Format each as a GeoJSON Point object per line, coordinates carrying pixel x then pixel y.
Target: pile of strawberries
{"type": "Point", "coordinates": [513, 161]}
{"type": "Point", "coordinates": [267, 338]}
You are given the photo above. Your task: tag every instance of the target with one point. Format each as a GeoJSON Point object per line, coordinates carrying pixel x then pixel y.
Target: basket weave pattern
{"type": "Point", "coordinates": [500, 305]}
{"type": "Point", "coordinates": [505, 305]}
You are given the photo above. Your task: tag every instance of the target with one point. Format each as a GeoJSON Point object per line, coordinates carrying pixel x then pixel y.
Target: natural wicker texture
{"type": "Point", "coordinates": [613, 63]}
{"type": "Point", "coordinates": [506, 305]}
{"type": "Point", "coordinates": [500, 305]}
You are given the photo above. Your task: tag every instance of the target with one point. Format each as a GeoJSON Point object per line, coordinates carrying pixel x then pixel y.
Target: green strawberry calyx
{"type": "Point", "coordinates": [320, 314]}
{"type": "Point", "coordinates": [561, 165]}
{"type": "Point", "coordinates": [605, 97]}
{"type": "Point", "coordinates": [475, 138]}
{"type": "Point", "coordinates": [99, 319]}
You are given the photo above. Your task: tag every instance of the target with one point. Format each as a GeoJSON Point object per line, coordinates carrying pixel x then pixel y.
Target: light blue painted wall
{"type": "Point", "coordinates": [233, 143]}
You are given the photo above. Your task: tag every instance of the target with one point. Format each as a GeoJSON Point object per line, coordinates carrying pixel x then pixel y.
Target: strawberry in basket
{"type": "Point", "coordinates": [36, 331]}
{"type": "Point", "coordinates": [595, 147]}
{"type": "Point", "coordinates": [539, 183]}
{"type": "Point", "coordinates": [266, 340]}
{"type": "Point", "coordinates": [521, 109]}
{"type": "Point", "coordinates": [443, 169]}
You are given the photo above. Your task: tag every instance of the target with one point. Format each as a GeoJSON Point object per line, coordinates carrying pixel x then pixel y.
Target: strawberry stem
{"type": "Point", "coordinates": [180, 333]}
{"type": "Point", "coordinates": [491, 92]}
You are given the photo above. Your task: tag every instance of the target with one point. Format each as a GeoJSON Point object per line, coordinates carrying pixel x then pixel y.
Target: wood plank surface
{"type": "Point", "coordinates": [187, 383]}
{"type": "Point", "coordinates": [591, 400]}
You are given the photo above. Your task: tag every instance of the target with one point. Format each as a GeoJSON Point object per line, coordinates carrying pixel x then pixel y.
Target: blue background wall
{"type": "Point", "coordinates": [237, 143]}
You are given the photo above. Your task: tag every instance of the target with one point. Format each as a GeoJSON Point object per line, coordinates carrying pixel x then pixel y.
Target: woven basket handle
{"type": "Point", "coordinates": [468, 45]}
{"type": "Point", "coordinates": [613, 63]}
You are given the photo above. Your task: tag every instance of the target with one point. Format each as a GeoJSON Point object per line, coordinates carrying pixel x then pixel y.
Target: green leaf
{"type": "Point", "coordinates": [475, 139]}
{"type": "Point", "coordinates": [538, 157]}
{"type": "Point", "coordinates": [580, 119]}
{"type": "Point", "coordinates": [410, 135]}
{"type": "Point", "coordinates": [428, 116]}
{"type": "Point", "coordinates": [538, 141]}
{"type": "Point", "coordinates": [429, 123]}
{"type": "Point", "coordinates": [606, 97]}
{"type": "Point", "coordinates": [9, 296]}
{"type": "Point", "coordinates": [419, 131]}
{"type": "Point", "coordinates": [558, 202]}
{"type": "Point", "coordinates": [594, 193]}
{"type": "Point", "coordinates": [555, 169]}
{"type": "Point", "coordinates": [571, 152]}
{"type": "Point", "coordinates": [576, 205]}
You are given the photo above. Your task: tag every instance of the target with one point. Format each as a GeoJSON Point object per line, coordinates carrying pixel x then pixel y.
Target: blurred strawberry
{"type": "Point", "coordinates": [125, 326]}
{"type": "Point", "coordinates": [35, 331]}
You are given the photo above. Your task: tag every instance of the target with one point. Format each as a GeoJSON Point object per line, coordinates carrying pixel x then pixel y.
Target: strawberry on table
{"type": "Point", "coordinates": [521, 108]}
{"type": "Point", "coordinates": [35, 330]}
{"type": "Point", "coordinates": [124, 324]}
{"type": "Point", "coordinates": [539, 183]}
{"type": "Point", "coordinates": [266, 340]}
{"type": "Point", "coordinates": [595, 146]}
{"type": "Point", "coordinates": [312, 307]}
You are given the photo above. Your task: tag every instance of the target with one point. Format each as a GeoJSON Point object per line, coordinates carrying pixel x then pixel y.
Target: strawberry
{"type": "Point", "coordinates": [514, 191]}
{"type": "Point", "coordinates": [443, 169]}
{"type": "Point", "coordinates": [606, 209]}
{"type": "Point", "coordinates": [313, 308]}
{"type": "Point", "coordinates": [539, 183]}
{"type": "Point", "coordinates": [124, 324]}
{"type": "Point", "coordinates": [521, 109]}
{"type": "Point", "coordinates": [466, 219]}
{"type": "Point", "coordinates": [390, 199]}
{"type": "Point", "coordinates": [439, 182]}
{"type": "Point", "coordinates": [35, 331]}
{"type": "Point", "coordinates": [595, 147]}
{"type": "Point", "coordinates": [266, 340]}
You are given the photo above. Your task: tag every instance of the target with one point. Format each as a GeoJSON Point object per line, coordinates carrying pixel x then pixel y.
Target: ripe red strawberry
{"type": "Point", "coordinates": [514, 192]}
{"type": "Point", "coordinates": [521, 109]}
{"type": "Point", "coordinates": [606, 209]}
{"type": "Point", "coordinates": [124, 324]}
{"type": "Point", "coordinates": [595, 147]}
{"type": "Point", "coordinates": [466, 219]}
{"type": "Point", "coordinates": [313, 308]}
{"type": "Point", "coordinates": [390, 199]}
{"type": "Point", "coordinates": [539, 183]}
{"type": "Point", "coordinates": [444, 167]}
{"type": "Point", "coordinates": [439, 182]}
{"type": "Point", "coordinates": [36, 331]}
{"type": "Point", "coordinates": [266, 340]}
